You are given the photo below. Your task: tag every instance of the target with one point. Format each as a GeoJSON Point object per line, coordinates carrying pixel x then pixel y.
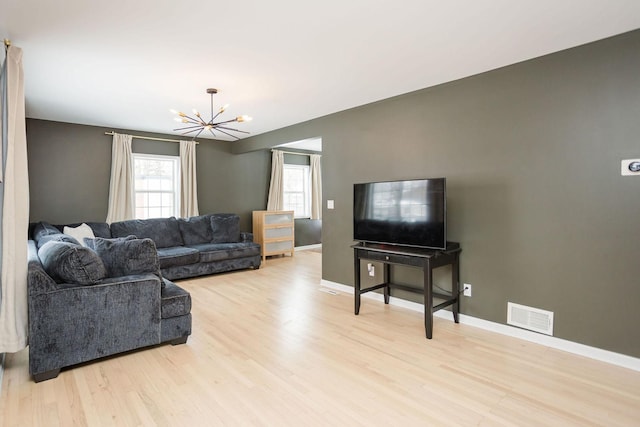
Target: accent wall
{"type": "Point", "coordinates": [531, 153]}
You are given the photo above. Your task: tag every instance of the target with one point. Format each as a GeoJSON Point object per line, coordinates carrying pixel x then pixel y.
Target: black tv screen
{"type": "Point", "coordinates": [407, 213]}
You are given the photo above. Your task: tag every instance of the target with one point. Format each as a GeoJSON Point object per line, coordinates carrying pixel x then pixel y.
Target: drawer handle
{"type": "Point", "coordinates": [386, 257]}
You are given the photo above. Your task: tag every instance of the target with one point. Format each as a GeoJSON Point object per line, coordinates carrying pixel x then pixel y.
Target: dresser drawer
{"type": "Point", "coordinates": [278, 247]}
{"type": "Point", "coordinates": [275, 233]}
{"type": "Point", "coordinates": [278, 218]}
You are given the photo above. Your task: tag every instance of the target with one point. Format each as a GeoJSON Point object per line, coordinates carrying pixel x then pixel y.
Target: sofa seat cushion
{"type": "Point", "coordinates": [175, 301]}
{"type": "Point", "coordinates": [178, 255]}
{"type": "Point", "coordinates": [210, 252]}
{"type": "Point", "coordinates": [165, 232]}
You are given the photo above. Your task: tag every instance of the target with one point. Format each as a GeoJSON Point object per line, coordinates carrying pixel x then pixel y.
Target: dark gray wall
{"type": "Point", "coordinates": [77, 161]}
{"type": "Point", "coordinates": [69, 169]}
{"type": "Point", "coordinates": [532, 157]}
{"type": "Point", "coordinates": [307, 232]}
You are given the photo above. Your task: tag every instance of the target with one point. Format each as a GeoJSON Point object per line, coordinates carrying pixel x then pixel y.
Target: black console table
{"type": "Point", "coordinates": [427, 260]}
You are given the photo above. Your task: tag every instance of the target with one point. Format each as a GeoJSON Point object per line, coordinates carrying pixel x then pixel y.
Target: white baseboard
{"type": "Point", "coordinates": [307, 247]}
{"type": "Point", "coordinates": [611, 357]}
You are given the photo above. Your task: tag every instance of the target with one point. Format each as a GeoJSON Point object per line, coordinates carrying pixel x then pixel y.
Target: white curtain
{"type": "Point", "coordinates": [275, 200]}
{"type": "Point", "coordinates": [121, 185]}
{"type": "Point", "coordinates": [188, 183]}
{"type": "Point", "coordinates": [316, 186]}
{"type": "Point", "coordinates": [14, 191]}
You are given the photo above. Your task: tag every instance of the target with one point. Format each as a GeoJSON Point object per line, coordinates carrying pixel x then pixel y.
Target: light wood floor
{"type": "Point", "coordinates": [269, 348]}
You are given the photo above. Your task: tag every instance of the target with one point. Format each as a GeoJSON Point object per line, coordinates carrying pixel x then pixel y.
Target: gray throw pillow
{"type": "Point", "coordinates": [71, 263]}
{"type": "Point", "coordinates": [196, 229]}
{"type": "Point", "coordinates": [126, 257]}
{"type": "Point", "coordinates": [226, 228]}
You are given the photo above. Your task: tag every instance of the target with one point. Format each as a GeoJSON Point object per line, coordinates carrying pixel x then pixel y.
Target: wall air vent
{"type": "Point", "coordinates": [533, 319]}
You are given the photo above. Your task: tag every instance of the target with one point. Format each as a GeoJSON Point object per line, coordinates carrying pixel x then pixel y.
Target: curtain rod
{"type": "Point", "coordinates": [294, 152]}
{"type": "Point", "coordinates": [150, 138]}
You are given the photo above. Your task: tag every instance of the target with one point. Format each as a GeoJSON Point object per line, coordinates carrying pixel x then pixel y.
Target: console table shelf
{"type": "Point", "coordinates": [427, 260]}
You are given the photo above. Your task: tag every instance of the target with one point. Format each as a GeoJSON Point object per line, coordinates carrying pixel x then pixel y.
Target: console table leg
{"type": "Point", "coordinates": [455, 287]}
{"type": "Point", "coordinates": [356, 290]}
{"type": "Point", "coordinates": [387, 280]}
{"type": "Point", "coordinates": [428, 298]}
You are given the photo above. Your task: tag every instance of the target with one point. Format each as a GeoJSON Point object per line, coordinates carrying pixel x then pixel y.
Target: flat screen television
{"type": "Point", "coordinates": [405, 213]}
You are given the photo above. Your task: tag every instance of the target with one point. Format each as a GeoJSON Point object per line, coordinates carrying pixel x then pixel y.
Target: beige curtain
{"type": "Point", "coordinates": [188, 183]}
{"type": "Point", "coordinates": [275, 200]}
{"type": "Point", "coordinates": [316, 186]}
{"type": "Point", "coordinates": [121, 185]}
{"type": "Point", "coordinates": [14, 191]}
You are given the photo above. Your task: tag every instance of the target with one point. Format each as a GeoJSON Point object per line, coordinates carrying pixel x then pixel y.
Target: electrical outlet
{"type": "Point", "coordinates": [630, 167]}
{"type": "Point", "coordinates": [467, 290]}
{"type": "Point", "coordinates": [371, 269]}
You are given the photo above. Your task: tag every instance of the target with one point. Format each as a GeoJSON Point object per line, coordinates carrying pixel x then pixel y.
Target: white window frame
{"type": "Point", "coordinates": [306, 192]}
{"type": "Point", "coordinates": [175, 160]}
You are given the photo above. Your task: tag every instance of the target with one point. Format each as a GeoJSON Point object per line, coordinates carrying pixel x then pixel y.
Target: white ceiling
{"type": "Point", "coordinates": [123, 64]}
{"type": "Point", "coordinates": [310, 144]}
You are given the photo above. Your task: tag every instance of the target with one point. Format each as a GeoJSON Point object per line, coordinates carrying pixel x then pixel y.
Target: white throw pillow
{"type": "Point", "coordinates": [80, 232]}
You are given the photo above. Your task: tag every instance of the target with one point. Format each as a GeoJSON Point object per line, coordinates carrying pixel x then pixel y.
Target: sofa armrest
{"type": "Point", "coordinates": [38, 281]}
{"type": "Point", "coordinates": [246, 237]}
{"type": "Point", "coordinates": [75, 324]}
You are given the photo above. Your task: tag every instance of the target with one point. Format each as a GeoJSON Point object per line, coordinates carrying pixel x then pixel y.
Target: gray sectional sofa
{"type": "Point", "coordinates": [113, 292]}
{"type": "Point", "coordinates": [195, 246]}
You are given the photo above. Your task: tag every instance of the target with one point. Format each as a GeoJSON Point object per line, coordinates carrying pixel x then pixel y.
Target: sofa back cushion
{"type": "Point", "coordinates": [165, 232]}
{"type": "Point", "coordinates": [122, 257]}
{"type": "Point", "coordinates": [91, 243]}
{"type": "Point", "coordinates": [196, 229]}
{"type": "Point", "coordinates": [71, 263]}
{"type": "Point", "coordinates": [225, 228]}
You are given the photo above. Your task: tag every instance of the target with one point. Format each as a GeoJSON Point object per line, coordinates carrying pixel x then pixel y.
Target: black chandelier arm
{"type": "Point", "coordinates": [188, 132]}
{"type": "Point", "coordinates": [194, 121]}
{"type": "Point", "coordinates": [198, 134]}
{"type": "Point", "coordinates": [226, 133]}
{"type": "Point", "coordinates": [225, 122]}
{"type": "Point", "coordinates": [196, 127]}
{"type": "Point", "coordinates": [213, 117]}
{"type": "Point", "coordinates": [232, 129]}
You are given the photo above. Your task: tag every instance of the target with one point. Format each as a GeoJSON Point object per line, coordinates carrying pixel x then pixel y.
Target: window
{"type": "Point", "coordinates": [156, 186]}
{"type": "Point", "coordinates": [297, 190]}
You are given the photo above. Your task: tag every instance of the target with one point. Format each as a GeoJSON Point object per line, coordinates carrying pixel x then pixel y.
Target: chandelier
{"type": "Point", "coordinates": [196, 124]}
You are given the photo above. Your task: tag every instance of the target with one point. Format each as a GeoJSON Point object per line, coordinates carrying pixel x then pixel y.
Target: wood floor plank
{"type": "Point", "coordinates": [270, 349]}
